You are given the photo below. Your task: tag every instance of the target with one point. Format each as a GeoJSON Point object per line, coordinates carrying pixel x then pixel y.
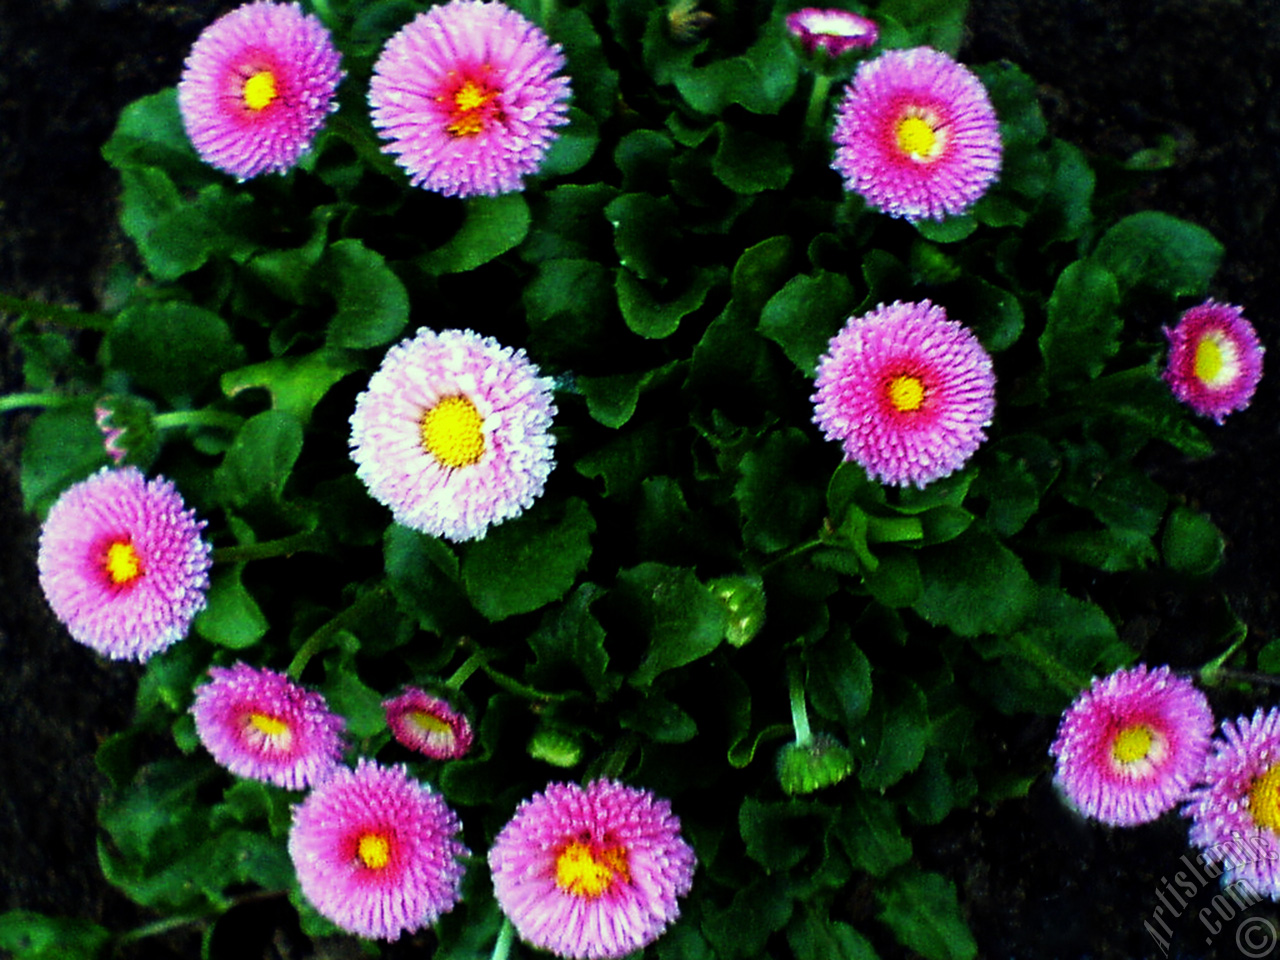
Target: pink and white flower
{"type": "Point", "coordinates": [1215, 359]}
{"type": "Point", "coordinates": [123, 564]}
{"type": "Point", "coordinates": [831, 30]}
{"type": "Point", "coordinates": [428, 724]}
{"type": "Point", "coordinates": [906, 392]}
{"type": "Point", "coordinates": [916, 135]}
{"type": "Point", "coordinates": [468, 96]}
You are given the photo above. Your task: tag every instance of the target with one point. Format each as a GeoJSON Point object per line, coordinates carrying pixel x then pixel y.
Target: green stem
{"type": "Point", "coordinates": [795, 552]}
{"type": "Point", "coordinates": [813, 117]}
{"type": "Point", "coordinates": [322, 638]}
{"type": "Point", "coordinates": [19, 401]}
{"type": "Point", "coordinates": [63, 316]}
{"type": "Point", "coordinates": [1213, 671]}
{"type": "Point", "coordinates": [208, 417]}
{"type": "Point", "coordinates": [548, 11]}
{"type": "Point", "coordinates": [1069, 681]}
{"type": "Point", "coordinates": [308, 540]}
{"type": "Point", "coordinates": [505, 938]}
{"type": "Point", "coordinates": [519, 689]}
{"type": "Point", "coordinates": [469, 666]}
{"type": "Point", "coordinates": [799, 710]}
{"type": "Point", "coordinates": [616, 760]}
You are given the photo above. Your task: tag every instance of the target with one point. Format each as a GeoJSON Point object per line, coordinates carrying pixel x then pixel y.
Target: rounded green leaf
{"type": "Point", "coordinates": [372, 303]}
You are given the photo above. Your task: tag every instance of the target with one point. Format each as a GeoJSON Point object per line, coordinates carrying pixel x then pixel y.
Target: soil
{"type": "Point", "coordinates": [1116, 76]}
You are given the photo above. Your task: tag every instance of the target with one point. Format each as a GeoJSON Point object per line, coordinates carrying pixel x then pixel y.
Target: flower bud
{"type": "Point", "coordinates": [822, 762]}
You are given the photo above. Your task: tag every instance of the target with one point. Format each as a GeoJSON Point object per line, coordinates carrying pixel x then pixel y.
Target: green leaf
{"type": "Point", "coordinates": [779, 835]}
{"type": "Point", "coordinates": [571, 640]}
{"type": "Point", "coordinates": [612, 399]}
{"type": "Point", "coordinates": [660, 720]}
{"type": "Point", "coordinates": [923, 911]}
{"type": "Point", "coordinates": [678, 616]}
{"type": "Point", "coordinates": [747, 162]}
{"type": "Point", "coordinates": [815, 937]}
{"type": "Point", "coordinates": [1191, 543]}
{"type": "Point", "coordinates": [257, 466]}
{"type": "Point", "coordinates": [26, 935]}
{"type": "Point", "coordinates": [572, 149]}
{"type": "Point", "coordinates": [296, 384]}
{"type": "Point", "coordinates": [867, 826]}
{"type": "Point", "coordinates": [232, 617]}
{"type": "Point", "coordinates": [424, 578]}
{"type": "Point", "coordinates": [839, 684]}
{"type": "Point", "coordinates": [644, 232]}
{"type": "Point", "coordinates": [177, 235]}
{"type": "Point", "coordinates": [568, 222]}
{"type": "Point", "coordinates": [1082, 329]}
{"type": "Point", "coordinates": [572, 306]}
{"type": "Point", "coordinates": [372, 303]}
{"type": "Point", "coordinates": [174, 349]}
{"type": "Point", "coordinates": [492, 226]}
{"type": "Point", "coordinates": [1154, 249]}
{"type": "Point", "coordinates": [974, 584]}
{"type": "Point", "coordinates": [776, 493]}
{"type": "Point", "coordinates": [357, 703]}
{"type": "Point", "coordinates": [905, 731]}
{"type": "Point", "coordinates": [760, 272]}
{"type": "Point", "coordinates": [62, 446]}
{"type": "Point", "coordinates": [528, 562]}
{"type": "Point", "coordinates": [653, 317]}
{"type": "Point", "coordinates": [805, 314]}
{"type": "Point", "coordinates": [150, 133]}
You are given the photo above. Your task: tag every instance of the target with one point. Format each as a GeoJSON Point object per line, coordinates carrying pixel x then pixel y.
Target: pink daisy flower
{"type": "Point", "coordinates": [465, 94]}
{"type": "Point", "coordinates": [916, 135]}
{"type": "Point", "coordinates": [257, 87]}
{"type": "Point", "coordinates": [428, 724]}
{"type": "Point", "coordinates": [1215, 359]}
{"type": "Point", "coordinates": [591, 872]}
{"type": "Point", "coordinates": [377, 852]}
{"type": "Point", "coordinates": [830, 30]}
{"type": "Point", "coordinates": [453, 433]}
{"type": "Point", "coordinates": [906, 391]}
{"type": "Point", "coordinates": [122, 563]}
{"type": "Point", "coordinates": [1132, 746]}
{"type": "Point", "coordinates": [261, 725]}
{"type": "Point", "coordinates": [1235, 814]}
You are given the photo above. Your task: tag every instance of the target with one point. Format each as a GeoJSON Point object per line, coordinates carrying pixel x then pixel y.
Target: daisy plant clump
{"type": "Point", "coordinates": [630, 474]}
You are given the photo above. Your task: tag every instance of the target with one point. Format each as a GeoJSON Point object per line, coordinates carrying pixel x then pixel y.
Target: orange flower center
{"type": "Point", "coordinates": [585, 872]}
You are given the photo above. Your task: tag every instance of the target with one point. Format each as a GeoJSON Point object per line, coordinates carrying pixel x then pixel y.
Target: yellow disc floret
{"type": "Point", "coordinates": [917, 138]}
{"type": "Point", "coordinates": [374, 850]}
{"type": "Point", "coordinates": [453, 432]}
{"type": "Point", "coordinates": [260, 90]}
{"type": "Point", "coordinates": [906, 393]}
{"type": "Point", "coordinates": [122, 563]}
{"type": "Point", "coordinates": [1264, 800]}
{"type": "Point", "coordinates": [1132, 744]}
{"type": "Point", "coordinates": [1214, 362]}
{"type": "Point", "coordinates": [470, 113]}
{"type": "Point", "coordinates": [427, 723]}
{"type": "Point", "coordinates": [268, 725]}
{"type": "Point", "coordinates": [587, 873]}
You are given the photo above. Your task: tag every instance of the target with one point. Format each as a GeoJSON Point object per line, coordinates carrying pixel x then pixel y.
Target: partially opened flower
{"type": "Point", "coordinates": [591, 871]}
{"type": "Point", "coordinates": [916, 135]}
{"type": "Point", "coordinates": [1235, 814]}
{"type": "Point", "coordinates": [906, 391]}
{"type": "Point", "coordinates": [428, 724]}
{"type": "Point", "coordinates": [453, 433]}
{"type": "Point", "coordinates": [261, 725]}
{"type": "Point", "coordinates": [831, 30]}
{"type": "Point", "coordinates": [257, 87]}
{"type": "Point", "coordinates": [123, 564]}
{"type": "Point", "coordinates": [377, 852]}
{"type": "Point", "coordinates": [1133, 745]}
{"type": "Point", "coordinates": [1215, 359]}
{"type": "Point", "coordinates": [467, 95]}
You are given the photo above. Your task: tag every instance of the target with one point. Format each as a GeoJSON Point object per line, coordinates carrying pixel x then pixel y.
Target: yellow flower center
{"type": "Point", "coordinates": [917, 138]}
{"type": "Point", "coordinates": [1264, 800]}
{"type": "Point", "coordinates": [1132, 744]}
{"type": "Point", "coordinates": [471, 109]}
{"type": "Point", "coordinates": [268, 725]}
{"type": "Point", "coordinates": [906, 393]}
{"type": "Point", "coordinates": [427, 723]}
{"type": "Point", "coordinates": [260, 90]}
{"type": "Point", "coordinates": [585, 873]}
{"type": "Point", "coordinates": [452, 432]}
{"type": "Point", "coordinates": [122, 564]}
{"type": "Point", "coordinates": [374, 850]}
{"type": "Point", "coordinates": [1215, 360]}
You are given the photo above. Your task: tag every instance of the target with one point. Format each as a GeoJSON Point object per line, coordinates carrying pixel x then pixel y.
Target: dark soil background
{"type": "Point", "coordinates": [1116, 76]}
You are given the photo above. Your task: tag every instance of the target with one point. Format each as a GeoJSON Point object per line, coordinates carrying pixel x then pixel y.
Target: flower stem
{"type": "Point", "coordinates": [63, 316]}
{"type": "Point", "coordinates": [207, 417]}
{"type": "Point", "coordinates": [813, 116]}
{"type": "Point", "coordinates": [505, 937]}
{"type": "Point", "coordinates": [323, 637]}
{"type": "Point", "coordinates": [469, 666]}
{"type": "Point", "coordinates": [19, 401]}
{"type": "Point", "coordinates": [308, 540]}
{"type": "Point", "coordinates": [799, 710]}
